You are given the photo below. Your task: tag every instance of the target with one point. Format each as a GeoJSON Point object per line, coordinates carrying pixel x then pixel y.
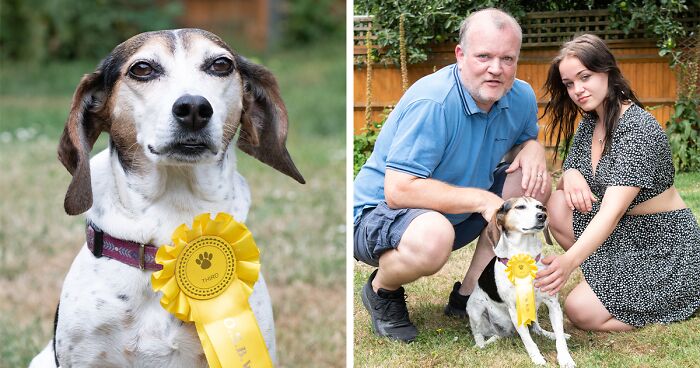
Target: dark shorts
{"type": "Point", "coordinates": [380, 229]}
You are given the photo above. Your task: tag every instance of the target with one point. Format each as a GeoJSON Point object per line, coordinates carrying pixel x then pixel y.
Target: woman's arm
{"type": "Point", "coordinates": [614, 205]}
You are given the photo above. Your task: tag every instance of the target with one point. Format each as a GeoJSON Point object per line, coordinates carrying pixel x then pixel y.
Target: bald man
{"type": "Point", "coordinates": [458, 143]}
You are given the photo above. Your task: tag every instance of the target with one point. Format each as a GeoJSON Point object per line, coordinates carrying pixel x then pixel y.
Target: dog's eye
{"type": "Point", "coordinates": [141, 70]}
{"type": "Point", "coordinates": [221, 65]}
{"type": "Point", "coordinates": [520, 207]}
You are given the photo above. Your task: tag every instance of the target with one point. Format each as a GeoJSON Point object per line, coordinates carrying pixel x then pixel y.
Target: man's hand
{"type": "Point", "coordinates": [531, 160]}
{"type": "Point", "coordinates": [490, 206]}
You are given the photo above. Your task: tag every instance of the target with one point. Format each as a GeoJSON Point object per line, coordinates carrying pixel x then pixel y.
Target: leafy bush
{"type": "Point", "coordinates": [69, 29]}
{"type": "Point", "coordinates": [683, 135]}
{"type": "Point", "coordinates": [658, 19]}
{"type": "Point", "coordinates": [430, 22]}
{"type": "Point", "coordinates": [308, 21]}
{"type": "Point", "coordinates": [363, 145]}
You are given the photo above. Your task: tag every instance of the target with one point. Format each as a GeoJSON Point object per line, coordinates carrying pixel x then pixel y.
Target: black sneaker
{"type": "Point", "coordinates": [457, 305]}
{"type": "Point", "coordinates": [388, 312]}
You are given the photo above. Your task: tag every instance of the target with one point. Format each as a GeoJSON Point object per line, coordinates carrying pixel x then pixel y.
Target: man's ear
{"type": "Point", "coordinates": [79, 135]}
{"type": "Point", "coordinates": [264, 119]}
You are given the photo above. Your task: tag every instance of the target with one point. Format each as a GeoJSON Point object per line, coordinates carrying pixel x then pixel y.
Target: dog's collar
{"type": "Point", "coordinates": [142, 256]}
{"type": "Point", "coordinates": [505, 260]}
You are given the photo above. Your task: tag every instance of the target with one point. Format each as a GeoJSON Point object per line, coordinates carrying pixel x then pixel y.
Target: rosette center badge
{"type": "Point", "coordinates": [206, 267]}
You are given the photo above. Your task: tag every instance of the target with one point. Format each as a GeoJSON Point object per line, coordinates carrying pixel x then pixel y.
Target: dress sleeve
{"type": "Point", "coordinates": [636, 154]}
{"type": "Point", "coordinates": [420, 140]}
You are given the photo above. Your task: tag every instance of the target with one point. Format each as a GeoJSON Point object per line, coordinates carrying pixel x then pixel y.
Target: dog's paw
{"type": "Point", "coordinates": [204, 260]}
{"type": "Point", "coordinates": [539, 360]}
{"type": "Point", "coordinates": [567, 336]}
{"type": "Point", "coordinates": [565, 360]}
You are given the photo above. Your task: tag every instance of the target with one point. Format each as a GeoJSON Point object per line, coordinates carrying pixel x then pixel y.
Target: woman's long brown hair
{"type": "Point", "coordinates": [595, 55]}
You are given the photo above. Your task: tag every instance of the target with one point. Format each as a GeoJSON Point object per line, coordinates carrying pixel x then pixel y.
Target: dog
{"type": "Point", "coordinates": [172, 103]}
{"type": "Point", "coordinates": [492, 305]}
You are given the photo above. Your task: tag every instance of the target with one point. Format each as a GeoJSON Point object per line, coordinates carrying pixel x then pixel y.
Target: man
{"type": "Point", "coordinates": [434, 175]}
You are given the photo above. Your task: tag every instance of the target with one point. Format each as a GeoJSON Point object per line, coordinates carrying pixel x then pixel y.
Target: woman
{"type": "Point", "coordinates": [615, 210]}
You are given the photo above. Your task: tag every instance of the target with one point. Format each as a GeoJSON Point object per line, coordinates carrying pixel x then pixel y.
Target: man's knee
{"type": "Point", "coordinates": [428, 241]}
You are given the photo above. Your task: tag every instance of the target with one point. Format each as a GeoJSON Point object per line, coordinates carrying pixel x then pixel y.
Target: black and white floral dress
{"type": "Point", "coordinates": [648, 270]}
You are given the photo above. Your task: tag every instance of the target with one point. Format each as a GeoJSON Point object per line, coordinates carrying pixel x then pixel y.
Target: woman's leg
{"type": "Point", "coordinates": [560, 218]}
{"type": "Point", "coordinates": [586, 312]}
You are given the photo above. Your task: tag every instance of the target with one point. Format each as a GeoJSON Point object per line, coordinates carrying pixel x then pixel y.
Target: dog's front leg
{"type": "Point", "coordinates": [557, 318]}
{"type": "Point", "coordinates": [537, 329]}
{"type": "Point", "coordinates": [530, 345]}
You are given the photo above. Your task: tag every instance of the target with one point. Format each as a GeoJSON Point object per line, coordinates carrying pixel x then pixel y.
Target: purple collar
{"type": "Point", "coordinates": [505, 260]}
{"type": "Point", "coordinates": [142, 256]}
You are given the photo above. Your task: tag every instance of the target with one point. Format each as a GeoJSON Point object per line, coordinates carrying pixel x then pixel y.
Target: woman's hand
{"type": "Point", "coordinates": [554, 277]}
{"type": "Point", "coordinates": [577, 193]}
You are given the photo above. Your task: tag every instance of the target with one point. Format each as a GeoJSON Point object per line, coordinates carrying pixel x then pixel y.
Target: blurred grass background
{"type": "Point", "coordinates": [300, 229]}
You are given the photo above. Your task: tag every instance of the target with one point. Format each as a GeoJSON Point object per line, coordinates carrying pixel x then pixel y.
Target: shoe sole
{"type": "Point", "coordinates": [375, 329]}
{"type": "Point", "coordinates": [451, 311]}
{"type": "Point", "coordinates": [365, 302]}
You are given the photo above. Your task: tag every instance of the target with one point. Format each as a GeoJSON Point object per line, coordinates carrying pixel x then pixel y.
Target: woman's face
{"type": "Point", "coordinates": [586, 88]}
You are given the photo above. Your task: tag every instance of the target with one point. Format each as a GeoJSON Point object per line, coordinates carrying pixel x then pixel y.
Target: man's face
{"type": "Point", "coordinates": [487, 67]}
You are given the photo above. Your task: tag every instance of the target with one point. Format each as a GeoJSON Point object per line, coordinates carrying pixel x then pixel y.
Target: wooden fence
{"type": "Point", "coordinates": [651, 78]}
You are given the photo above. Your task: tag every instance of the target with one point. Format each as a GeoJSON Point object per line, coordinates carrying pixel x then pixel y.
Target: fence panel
{"type": "Point", "coordinates": [650, 76]}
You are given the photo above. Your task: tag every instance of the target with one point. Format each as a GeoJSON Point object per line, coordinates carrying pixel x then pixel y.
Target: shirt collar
{"type": "Point", "coordinates": [468, 102]}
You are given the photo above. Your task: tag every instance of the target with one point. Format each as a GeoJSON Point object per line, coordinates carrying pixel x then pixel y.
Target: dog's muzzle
{"type": "Point", "coordinates": [192, 114]}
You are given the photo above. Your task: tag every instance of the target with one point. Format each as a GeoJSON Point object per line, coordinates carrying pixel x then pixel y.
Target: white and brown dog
{"type": "Point", "coordinates": [491, 307]}
{"type": "Point", "coordinates": [172, 102]}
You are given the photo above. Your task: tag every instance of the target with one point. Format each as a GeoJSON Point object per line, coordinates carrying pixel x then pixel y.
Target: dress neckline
{"type": "Point", "coordinates": [592, 123]}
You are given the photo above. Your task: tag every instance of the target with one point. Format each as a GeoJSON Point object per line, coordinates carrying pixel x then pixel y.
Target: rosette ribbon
{"type": "Point", "coordinates": [207, 277]}
{"type": "Point", "coordinates": [521, 270]}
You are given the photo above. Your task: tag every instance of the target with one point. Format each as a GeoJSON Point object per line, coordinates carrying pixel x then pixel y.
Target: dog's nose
{"type": "Point", "coordinates": [541, 216]}
{"type": "Point", "coordinates": [192, 112]}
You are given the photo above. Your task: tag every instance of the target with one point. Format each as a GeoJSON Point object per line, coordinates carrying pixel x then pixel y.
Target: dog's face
{"type": "Point", "coordinates": [183, 96]}
{"type": "Point", "coordinates": [522, 214]}
{"type": "Point", "coordinates": [173, 98]}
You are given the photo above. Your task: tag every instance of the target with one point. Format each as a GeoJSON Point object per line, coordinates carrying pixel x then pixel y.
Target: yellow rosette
{"type": "Point", "coordinates": [207, 277]}
{"type": "Point", "coordinates": [521, 270]}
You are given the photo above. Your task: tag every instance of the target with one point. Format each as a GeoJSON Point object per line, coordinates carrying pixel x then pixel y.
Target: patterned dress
{"type": "Point", "coordinates": [648, 270]}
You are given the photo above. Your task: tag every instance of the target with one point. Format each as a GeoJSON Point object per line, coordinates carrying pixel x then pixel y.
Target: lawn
{"type": "Point", "coordinates": [300, 229]}
{"type": "Point", "coordinates": [446, 342]}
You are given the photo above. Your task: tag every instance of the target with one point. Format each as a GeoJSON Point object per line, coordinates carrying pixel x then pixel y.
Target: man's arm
{"type": "Point", "coordinates": [403, 190]}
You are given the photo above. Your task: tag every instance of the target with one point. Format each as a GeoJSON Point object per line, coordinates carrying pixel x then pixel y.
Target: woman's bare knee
{"type": "Point", "coordinates": [584, 310]}
{"type": "Point", "coordinates": [512, 187]}
{"type": "Point", "coordinates": [560, 219]}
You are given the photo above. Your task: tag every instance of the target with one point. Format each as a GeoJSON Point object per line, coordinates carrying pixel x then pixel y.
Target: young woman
{"type": "Point", "coordinates": [615, 210]}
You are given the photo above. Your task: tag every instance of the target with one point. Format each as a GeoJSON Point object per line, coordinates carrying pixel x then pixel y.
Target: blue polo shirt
{"type": "Point", "coordinates": [437, 131]}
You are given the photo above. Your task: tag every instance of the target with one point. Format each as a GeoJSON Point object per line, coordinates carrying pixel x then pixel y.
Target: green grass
{"type": "Point", "coordinates": [446, 342]}
{"type": "Point", "coordinates": [299, 228]}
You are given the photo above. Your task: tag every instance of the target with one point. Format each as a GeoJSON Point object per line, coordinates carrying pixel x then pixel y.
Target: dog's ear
{"type": "Point", "coordinates": [547, 236]}
{"type": "Point", "coordinates": [264, 119]}
{"type": "Point", "coordinates": [495, 225]}
{"type": "Point", "coordinates": [79, 135]}
{"type": "Point", "coordinates": [493, 230]}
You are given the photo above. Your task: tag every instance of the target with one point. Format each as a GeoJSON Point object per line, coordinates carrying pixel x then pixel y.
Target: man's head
{"type": "Point", "coordinates": [487, 55]}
